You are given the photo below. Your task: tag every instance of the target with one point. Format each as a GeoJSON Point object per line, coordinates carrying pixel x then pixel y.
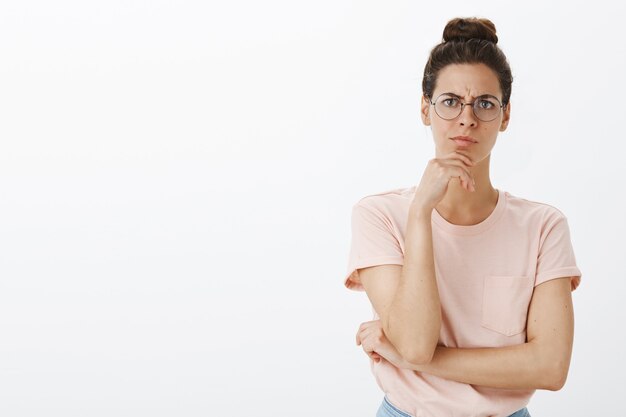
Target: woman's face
{"type": "Point", "coordinates": [467, 81]}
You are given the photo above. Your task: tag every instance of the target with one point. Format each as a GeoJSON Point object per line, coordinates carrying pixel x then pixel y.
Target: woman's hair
{"type": "Point", "coordinates": [468, 41]}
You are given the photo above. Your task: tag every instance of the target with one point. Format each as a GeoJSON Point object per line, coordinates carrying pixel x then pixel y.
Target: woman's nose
{"type": "Point", "coordinates": [467, 116]}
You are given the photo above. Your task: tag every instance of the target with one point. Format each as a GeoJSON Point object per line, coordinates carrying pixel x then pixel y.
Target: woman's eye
{"type": "Point", "coordinates": [485, 104]}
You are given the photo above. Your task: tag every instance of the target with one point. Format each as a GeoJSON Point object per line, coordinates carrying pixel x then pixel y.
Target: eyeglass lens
{"type": "Point", "coordinates": [485, 108]}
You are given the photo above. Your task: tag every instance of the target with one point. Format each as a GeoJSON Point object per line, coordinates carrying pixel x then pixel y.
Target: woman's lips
{"type": "Point", "coordinates": [463, 142]}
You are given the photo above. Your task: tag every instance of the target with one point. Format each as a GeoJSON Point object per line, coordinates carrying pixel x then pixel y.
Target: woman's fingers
{"type": "Point", "coordinates": [366, 331]}
{"type": "Point", "coordinates": [463, 161]}
{"type": "Point", "coordinates": [457, 163]}
{"type": "Point", "coordinates": [460, 156]}
{"type": "Point", "coordinates": [363, 331]}
{"type": "Point", "coordinates": [447, 163]}
{"type": "Point", "coordinates": [366, 338]}
{"type": "Point", "coordinates": [463, 174]}
{"type": "Point", "coordinates": [437, 175]}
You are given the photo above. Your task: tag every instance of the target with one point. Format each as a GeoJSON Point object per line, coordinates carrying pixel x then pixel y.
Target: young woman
{"type": "Point", "coordinates": [470, 285]}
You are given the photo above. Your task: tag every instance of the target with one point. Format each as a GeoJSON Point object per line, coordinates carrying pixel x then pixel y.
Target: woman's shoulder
{"type": "Point", "coordinates": [528, 207]}
{"type": "Point", "coordinates": [386, 197]}
{"type": "Point", "coordinates": [389, 206]}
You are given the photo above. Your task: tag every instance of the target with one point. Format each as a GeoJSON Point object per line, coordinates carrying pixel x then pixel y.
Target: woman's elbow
{"type": "Point", "coordinates": [556, 378]}
{"type": "Point", "coordinates": [419, 355]}
{"type": "Point", "coordinates": [417, 349]}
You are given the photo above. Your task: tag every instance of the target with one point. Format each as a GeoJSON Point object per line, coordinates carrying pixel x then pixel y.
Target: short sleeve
{"type": "Point", "coordinates": [556, 255]}
{"type": "Point", "coordinates": [373, 243]}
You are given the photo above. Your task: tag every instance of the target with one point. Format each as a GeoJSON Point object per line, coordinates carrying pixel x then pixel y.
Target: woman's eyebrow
{"type": "Point", "coordinates": [480, 95]}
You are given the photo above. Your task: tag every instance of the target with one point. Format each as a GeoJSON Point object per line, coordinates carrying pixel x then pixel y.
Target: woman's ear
{"type": "Point", "coordinates": [425, 112]}
{"type": "Point", "coordinates": [506, 117]}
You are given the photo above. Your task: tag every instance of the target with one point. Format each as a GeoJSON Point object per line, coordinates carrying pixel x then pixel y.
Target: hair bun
{"type": "Point", "coordinates": [462, 29]}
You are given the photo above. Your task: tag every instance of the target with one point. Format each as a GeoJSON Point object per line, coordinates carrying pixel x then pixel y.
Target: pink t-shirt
{"type": "Point", "coordinates": [485, 273]}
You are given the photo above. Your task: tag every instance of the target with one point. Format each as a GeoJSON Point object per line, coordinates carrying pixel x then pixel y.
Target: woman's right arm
{"type": "Point", "coordinates": [406, 297]}
{"type": "Point", "coordinates": [414, 317]}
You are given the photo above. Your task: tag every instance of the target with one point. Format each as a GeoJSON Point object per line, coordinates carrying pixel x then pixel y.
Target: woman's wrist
{"type": "Point", "coordinates": [417, 210]}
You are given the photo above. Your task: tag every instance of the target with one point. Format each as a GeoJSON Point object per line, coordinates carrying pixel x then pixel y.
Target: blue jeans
{"type": "Point", "coordinates": [387, 409]}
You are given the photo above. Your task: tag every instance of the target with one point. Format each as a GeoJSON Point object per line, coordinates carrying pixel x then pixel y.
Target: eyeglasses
{"type": "Point", "coordinates": [448, 106]}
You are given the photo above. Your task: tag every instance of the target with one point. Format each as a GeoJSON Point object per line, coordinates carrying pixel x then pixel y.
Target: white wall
{"type": "Point", "coordinates": [176, 180]}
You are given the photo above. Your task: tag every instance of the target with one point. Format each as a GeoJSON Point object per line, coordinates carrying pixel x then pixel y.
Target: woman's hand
{"type": "Point", "coordinates": [439, 171]}
{"type": "Point", "coordinates": [376, 345]}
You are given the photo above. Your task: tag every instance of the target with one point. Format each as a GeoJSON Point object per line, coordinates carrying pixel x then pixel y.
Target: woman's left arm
{"type": "Point", "coordinates": [540, 363]}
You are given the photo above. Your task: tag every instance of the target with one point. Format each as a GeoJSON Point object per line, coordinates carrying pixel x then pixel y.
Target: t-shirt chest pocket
{"type": "Point", "coordinates": [505, 303]}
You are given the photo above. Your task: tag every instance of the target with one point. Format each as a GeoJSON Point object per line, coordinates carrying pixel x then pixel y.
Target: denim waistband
{"type": "Point", "coordinates": [387, 409]}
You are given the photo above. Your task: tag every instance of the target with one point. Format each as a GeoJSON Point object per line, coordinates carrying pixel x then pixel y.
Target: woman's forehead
{"type": "Point", "coordinates": [468, 80]}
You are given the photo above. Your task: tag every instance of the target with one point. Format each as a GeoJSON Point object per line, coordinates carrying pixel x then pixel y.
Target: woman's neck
{"type": "Point", "coordinates": [463, 207]}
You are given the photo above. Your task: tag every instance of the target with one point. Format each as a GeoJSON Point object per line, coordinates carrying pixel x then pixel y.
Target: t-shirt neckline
{"type": "Point", "coordinates": [474, 228]}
